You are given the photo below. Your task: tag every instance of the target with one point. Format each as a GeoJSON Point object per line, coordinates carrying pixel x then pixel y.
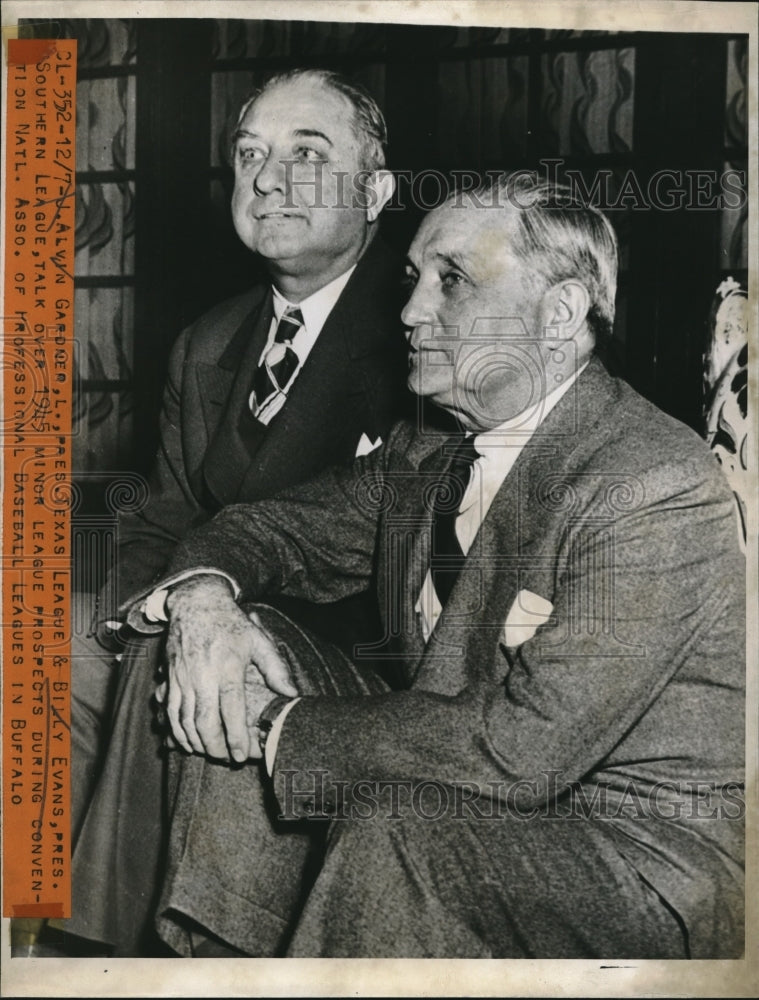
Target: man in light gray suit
{"type": "Point", "coordinates": [562, 584]}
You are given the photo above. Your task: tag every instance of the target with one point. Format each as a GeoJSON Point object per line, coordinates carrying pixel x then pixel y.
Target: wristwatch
{"type": "Point", "coordinates": [268, 717]}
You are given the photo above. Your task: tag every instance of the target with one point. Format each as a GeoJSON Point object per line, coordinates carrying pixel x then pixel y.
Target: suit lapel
{"type": "Point", "coordinates": [214, 384]}
{"type": "Point", "coordinates": [505, 556]}
{"type": "Point", "coordinates": [283, 451]}
{"type": "Point", "coordinates": [225, 388]}
{"type": "Point", "coordinates": [404, 544]}
{"type": "Point", "coordinates": [459, 650]}
{"type": "Point", "coordinates": [318, 407]}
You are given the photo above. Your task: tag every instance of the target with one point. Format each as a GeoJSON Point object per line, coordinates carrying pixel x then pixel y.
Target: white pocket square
{"type": "Point", "coordinates": [528, 612]}
{"type": "Point", "coordinates": [365, 445]}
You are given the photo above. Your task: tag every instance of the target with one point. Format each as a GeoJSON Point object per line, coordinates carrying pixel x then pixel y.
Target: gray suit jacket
{"type": "Point", "coordinates": [616, 514]}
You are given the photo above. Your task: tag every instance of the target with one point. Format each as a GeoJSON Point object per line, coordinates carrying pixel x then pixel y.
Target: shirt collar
{"type": "Point", "coordinates": [317, 307]}
{"type": "Point", "coordinates": [517, 430]}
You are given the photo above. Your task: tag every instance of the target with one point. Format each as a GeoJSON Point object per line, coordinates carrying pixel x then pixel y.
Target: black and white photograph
{"type": "Point", "coordinates": [413, 523]}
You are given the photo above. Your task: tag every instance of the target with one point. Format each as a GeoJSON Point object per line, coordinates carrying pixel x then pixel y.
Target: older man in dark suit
{"type": "Point", "coordinates": [563, 586]}
{"type": "Point", "coordinates": [263, 391]}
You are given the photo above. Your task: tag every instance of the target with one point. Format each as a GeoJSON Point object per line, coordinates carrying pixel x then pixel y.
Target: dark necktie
{"type": "Point", "coordinates": [447, 554]}
{"type": "Point", "coordinates": [279, 363]}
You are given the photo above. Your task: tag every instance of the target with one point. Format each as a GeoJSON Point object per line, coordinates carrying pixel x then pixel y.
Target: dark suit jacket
{"type": "Point", "coordinates": [213, 452]}
{"type": "Point", "coordinates": [618, 516]}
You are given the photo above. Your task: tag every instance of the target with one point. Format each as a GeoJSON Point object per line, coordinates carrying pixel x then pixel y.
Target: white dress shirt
{"type": "Point", "coordinates": [315, 311]}
{"type": "Point", "coordinates": [498, 449]}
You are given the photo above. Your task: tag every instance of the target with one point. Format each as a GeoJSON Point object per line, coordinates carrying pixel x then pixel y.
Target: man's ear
{"type": "Point", "coordinates": [379, 188]}
{"type": "Point", "coordinates": [569, 302]}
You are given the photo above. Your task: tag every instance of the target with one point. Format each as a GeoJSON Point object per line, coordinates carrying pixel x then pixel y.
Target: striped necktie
{"type": "Point", "coordinates": [279, 364]}
{"type": "Point", "coordinates": [447, 554]}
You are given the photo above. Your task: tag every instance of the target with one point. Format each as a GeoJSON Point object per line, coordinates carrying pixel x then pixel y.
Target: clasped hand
{"type": "Point", "coordinates": [223, 669]}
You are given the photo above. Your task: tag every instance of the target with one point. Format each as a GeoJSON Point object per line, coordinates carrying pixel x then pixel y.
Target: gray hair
{"type": "Point", "coordinates": [558, 236]}
{"type": "Point", "coordinates": [368, 121]}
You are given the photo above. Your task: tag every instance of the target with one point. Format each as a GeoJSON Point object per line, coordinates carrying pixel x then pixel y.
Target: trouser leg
{"type": "Point", "coordinates": [457, 887]}
{"type": "Point", "coordinates": [234, 869]}
{"type": "Point", "coordinates": [118, 854]}
{"type": "Point", "coordinates": [94, 673]}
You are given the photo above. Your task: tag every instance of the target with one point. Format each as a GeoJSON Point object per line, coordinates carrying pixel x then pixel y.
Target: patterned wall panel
{"type": "Point", "coordinates": [733, 230]}
{"type": "Point", "coordinates": [587, 102]}
{"type": "Point", "coordinates": [104, 316]}
{"type": "Point", "coordinates": [105, 124]}
{"type": "Point", "coordinates": [735, 90]}
{"type": "Point", "coordinates": [458, 113]}
{"type": "Point", "coordinates": [104, 330]}
{"type": "Point", "coordinates": [324, 39]}
{"type": "Point", "coordinates": [558, 33]}
{"type": "Point", "coordinates": [102, 41]}
{"type": "Point", "coordinates": [102, 431]}
{"type": "Point", "coordinates": [104, 229]}
{"type": "Point", "coordinates": [237, 39]}
{"type": "Point", "coordinates": [466, 37]}
{"type": "Point", "coordinates": [252, 38]}
{"type": "Point", "coordinates": [482, 111]}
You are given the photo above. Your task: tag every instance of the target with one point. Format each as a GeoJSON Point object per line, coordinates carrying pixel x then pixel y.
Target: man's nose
{"type": "Point", "coordinates": [418, 309]}
{"type": "Point", "coordinates": [272, 176]}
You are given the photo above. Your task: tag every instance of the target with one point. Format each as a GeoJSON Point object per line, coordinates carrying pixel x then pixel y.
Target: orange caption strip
{"type": "Point", "coordinates": [38, 356]}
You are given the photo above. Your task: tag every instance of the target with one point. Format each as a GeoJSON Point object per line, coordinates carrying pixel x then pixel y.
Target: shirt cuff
{"type": "Point", "coordinates": [154, 606]}
{"type": "Point", "coordinates": [272, 740]}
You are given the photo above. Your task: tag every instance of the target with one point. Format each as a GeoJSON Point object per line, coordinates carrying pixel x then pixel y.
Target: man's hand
{"type": "Point", "coordinates": [210, 647]}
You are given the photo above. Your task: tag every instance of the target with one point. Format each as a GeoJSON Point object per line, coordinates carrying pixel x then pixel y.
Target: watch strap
{"type": "Point", "coordinates": [269, 715]}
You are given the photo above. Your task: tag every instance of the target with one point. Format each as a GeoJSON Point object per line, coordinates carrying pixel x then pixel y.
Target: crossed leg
{"type": "Point", "coordinates": [459, 886]}
{"type": "Point", "coordinates": [455, 885]}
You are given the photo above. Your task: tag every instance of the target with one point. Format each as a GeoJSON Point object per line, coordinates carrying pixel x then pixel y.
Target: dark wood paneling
{"type": "Point", "coordinates": [172, 217]}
